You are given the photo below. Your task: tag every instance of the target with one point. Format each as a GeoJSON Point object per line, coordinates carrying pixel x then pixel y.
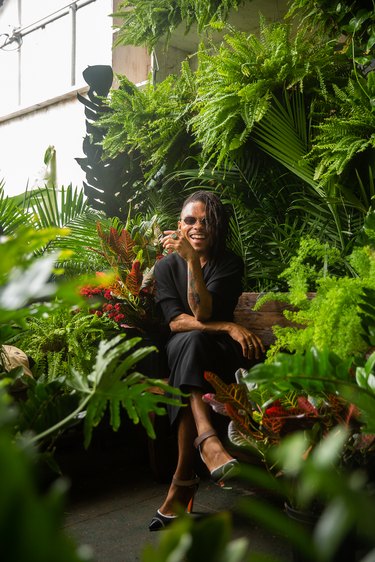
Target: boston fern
{"type": "Point", "coordinates": [234, 85]}
{"type": "Point", "coordinates": [145, 22]}
{"type": "Point", "coordinates": [153, 121]}
{"type": "Point", "coordinates": [348, 132]}
{"type": "Point", "coordinates": [63, 338]}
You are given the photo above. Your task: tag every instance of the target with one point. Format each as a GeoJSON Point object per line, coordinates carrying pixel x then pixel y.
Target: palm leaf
{"type": "Point", "coordinates": [11, 216]}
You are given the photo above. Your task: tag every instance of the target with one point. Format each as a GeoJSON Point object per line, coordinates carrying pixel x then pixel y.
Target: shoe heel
{"type": "Point", "coordinates": [194, 483]}
{"type": "Point", "coordinates": [190, 505]}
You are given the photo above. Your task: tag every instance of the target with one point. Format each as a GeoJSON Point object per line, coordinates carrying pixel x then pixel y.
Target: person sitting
{"type": "Point", "coordinates": [197, 287]}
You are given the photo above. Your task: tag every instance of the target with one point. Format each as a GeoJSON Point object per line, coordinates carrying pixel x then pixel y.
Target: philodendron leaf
{"type": "Point", "coordinates": [115, 383]}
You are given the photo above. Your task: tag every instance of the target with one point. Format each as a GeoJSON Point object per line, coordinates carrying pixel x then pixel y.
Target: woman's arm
{"type": "Point", "coordinates": [250, 343]}
{"type": "Point", "coordinates": [198, 297]}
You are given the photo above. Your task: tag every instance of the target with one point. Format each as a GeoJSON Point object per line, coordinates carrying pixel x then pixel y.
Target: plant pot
{"type": "Point", "coordinates": [346, 552]}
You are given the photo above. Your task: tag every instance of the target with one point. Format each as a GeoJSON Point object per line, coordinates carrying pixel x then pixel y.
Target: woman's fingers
{"type": "Point", "coordinates": [252, 346]}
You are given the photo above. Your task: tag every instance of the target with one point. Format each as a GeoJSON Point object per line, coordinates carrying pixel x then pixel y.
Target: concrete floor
{"type": "Point", "coordinates": [114, 494]}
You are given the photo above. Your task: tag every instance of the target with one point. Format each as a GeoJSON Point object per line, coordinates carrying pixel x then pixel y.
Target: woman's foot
{"type": "Point", "coordinates": [218, 461]}
{"type": "Point", "coordinates": [180, 495]}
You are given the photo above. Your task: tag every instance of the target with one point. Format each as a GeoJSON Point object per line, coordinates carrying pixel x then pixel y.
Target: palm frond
{"type": "Point", "coordinates": [11, 216]}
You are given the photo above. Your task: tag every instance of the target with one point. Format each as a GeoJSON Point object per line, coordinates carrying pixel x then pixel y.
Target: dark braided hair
{"type": "Point", "coordinates": [217, 220]}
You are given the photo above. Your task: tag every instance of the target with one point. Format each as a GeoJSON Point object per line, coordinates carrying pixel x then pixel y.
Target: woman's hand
{"type": "Point", "coordinates": [174, 241]}
{"type": "Point", "coordinates": [251, 344]}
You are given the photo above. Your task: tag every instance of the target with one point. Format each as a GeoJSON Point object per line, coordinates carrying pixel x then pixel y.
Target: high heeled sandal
{"type": "Point", "coordinates": [161, 521]}
{"type": "Point", "coordinates": [223, 472]}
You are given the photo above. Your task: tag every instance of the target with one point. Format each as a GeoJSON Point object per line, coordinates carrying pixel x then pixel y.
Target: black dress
{"type": "Point", "coordinates": [191, 353]}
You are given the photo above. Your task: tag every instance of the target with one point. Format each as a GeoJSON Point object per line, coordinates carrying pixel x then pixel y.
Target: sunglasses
{"type": "Point", "coordinates": [192, 220]}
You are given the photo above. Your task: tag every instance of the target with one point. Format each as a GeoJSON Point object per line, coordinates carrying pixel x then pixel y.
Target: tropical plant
{"type": "Point", "coordinates": [109, 185]}
{"type": "Point", "coordinates": [11, 215]}
{"type": "Point", "coordinates": [127, 292]}
{"type": "Point", "coordinates": [114, 359]}
{"type": "Point", "coordinates": [351, 23]}
{"type": "Point", "coordinates": [313, 392]}
{"type": "Point", "coordinates": [145, 22]}
{"type": "Point", "coordinates": [236, 83]}
{"type": "Point", "coordinates": [54, 206]}
{"type": "Point", "coordinates": [31, 520]}
{"type": "Point", "coordinates": [341, 137]}
{"type": "Point", "coordinates": [153, 123]}
{"type": "Point", "coordinates": [334, 318]}
{"type": "Point", "coordinates": [62, 338]}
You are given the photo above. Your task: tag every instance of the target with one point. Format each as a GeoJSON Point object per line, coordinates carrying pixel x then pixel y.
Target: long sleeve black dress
{"type": "Point", "coordinates": [191, 353]}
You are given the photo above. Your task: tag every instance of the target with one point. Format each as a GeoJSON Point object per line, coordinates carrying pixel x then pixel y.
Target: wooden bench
{"type": "Point", "coordinates": [162, 450]}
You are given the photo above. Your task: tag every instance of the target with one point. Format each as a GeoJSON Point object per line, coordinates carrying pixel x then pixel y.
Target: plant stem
{"type": "Point", "coordinates": [62, 422]}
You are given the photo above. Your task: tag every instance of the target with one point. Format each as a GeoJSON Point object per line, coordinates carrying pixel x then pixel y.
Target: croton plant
{"type": "Point", "coordinates": [125, 290]}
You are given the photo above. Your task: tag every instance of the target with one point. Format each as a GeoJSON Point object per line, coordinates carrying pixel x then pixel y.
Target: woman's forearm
{"type": "Point", "coordinates": [199, 298]}
{"type": "Point", "coordinates": [186, 323]}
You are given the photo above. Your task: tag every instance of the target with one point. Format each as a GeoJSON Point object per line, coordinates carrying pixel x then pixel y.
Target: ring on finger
{"type": "Point", "coordinates": [174, 236]}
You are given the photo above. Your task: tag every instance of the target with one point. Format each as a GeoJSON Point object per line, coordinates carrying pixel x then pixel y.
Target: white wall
{"type": "Point", "coordinates": [24, 140]}
{"type": "Point", "coordinates": [43, 110]}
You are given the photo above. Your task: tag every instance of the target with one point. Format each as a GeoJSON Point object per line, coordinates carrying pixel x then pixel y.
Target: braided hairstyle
{"type": "Point", "coordinates": [217, 220]}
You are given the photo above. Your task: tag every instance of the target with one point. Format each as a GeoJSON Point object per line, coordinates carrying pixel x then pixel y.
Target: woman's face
{"type": "Point", "coordinates": [193, 226]}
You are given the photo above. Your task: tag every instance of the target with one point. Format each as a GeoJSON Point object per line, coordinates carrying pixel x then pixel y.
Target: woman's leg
{"type": "Point", "coordinates": [212, 450]}
{"type": "Point", "coordinates": [186, 434]}
{"type": "Point", "coordinates": [194, 420]}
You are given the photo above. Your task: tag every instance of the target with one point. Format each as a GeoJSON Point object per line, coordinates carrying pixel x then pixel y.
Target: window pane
{"type": "Point", "coordinates": [38, 9]}
{"type": "Point", "coordinates": [94, 36]}
{"type": "Point", "coordinates": [45, 62]}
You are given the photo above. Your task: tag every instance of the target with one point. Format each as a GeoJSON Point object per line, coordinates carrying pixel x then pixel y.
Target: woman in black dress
{"type": "Point", "coordinates": [197, 287]}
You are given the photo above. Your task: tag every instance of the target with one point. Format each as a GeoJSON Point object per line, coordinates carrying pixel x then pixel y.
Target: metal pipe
{"type": "Point", "coordinates": [48, 19]}
{"type": "Point", "coordinates": [73, 53]}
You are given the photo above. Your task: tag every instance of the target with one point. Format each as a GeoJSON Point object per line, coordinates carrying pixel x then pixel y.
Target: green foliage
{"type": "Point", "coordinates": [30, 522]}
{"type": "Point", "coordinates": [203, 541]}
{"type": "Point", "coordinates": [46, 403]}
{"type": "Point", "coordinates": [333, 318]}
{"type": "Point", "coordinates": [145, 22]}
{"type": "Point", "coordinates": [62, 338]}
{"type": "Point", "coordinates": [235, 85]}
{"type": "Point", "coordinates": [153, 121]}
{"type": "Point", "coordinates": [319, 373]}
{"type": "Point", "coordinates": [113, 383]}
{"type": "Point", "coordinates": [351, 23]}
{"type": "Point", "coordinates": [346, 500]}
{"type": "Point", "coordinates": [55, 207]}
{"type": "Point", "coordinates": [349, 131]}
{"type": "Point", "coordinates": [338, 205]}
{"type": "Point", "coordinates": [313, 391]}
{"type": "Point", "coordinates": [10, 213]}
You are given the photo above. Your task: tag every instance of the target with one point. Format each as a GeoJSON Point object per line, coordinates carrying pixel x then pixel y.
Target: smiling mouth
{"type": "Point", "coordinates": [198, 236]}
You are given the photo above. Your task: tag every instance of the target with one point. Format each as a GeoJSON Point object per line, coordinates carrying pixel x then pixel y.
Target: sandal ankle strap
{"type": "Point", "coordinates": [203, 436]}
{"type": "Point", "coordinates": [186, 483]}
